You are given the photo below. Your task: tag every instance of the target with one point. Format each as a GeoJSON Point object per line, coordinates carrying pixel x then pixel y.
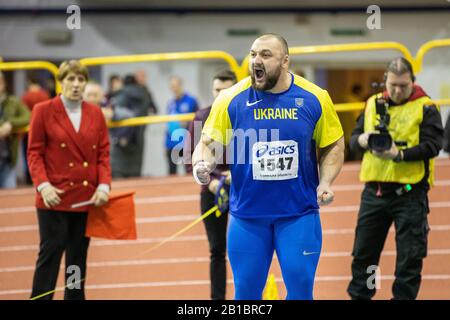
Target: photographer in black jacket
{"type": "Point", "coordinates": [397, 172]}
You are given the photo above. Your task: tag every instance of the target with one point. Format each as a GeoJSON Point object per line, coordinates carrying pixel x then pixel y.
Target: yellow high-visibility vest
{"type": "Point", "coordinates": [405, 121]}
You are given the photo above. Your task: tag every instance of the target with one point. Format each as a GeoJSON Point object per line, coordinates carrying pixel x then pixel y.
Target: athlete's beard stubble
{"type": "Point", "coordinates": [271, 79]}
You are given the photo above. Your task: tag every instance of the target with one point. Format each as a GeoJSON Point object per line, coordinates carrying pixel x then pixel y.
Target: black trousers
{"type": "Point", "coordinates": [376, 214]}
{"type": "Point", "coordinates": [61, 232]}
{"type": "Point", "coordinates": [216, 230]}
{"type": "Point", "coordinates": [26, 169]}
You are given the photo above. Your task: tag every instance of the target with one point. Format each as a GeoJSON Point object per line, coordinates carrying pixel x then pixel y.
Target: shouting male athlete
{"type": "Point", "coordinates": [273, 123]}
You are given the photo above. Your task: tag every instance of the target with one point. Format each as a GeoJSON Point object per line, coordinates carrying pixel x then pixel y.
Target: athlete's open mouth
{"type": "Point", "coordinates": [259, 73]}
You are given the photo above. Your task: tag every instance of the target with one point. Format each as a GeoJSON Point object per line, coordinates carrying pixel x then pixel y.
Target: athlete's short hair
{"type": "Point", "coordinates": [280, 39]}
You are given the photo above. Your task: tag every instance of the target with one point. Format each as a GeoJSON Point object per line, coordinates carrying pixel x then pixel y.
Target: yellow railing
{"type": "Point", "coordinates": [355, 106]}
{"type": "Point", "coordinates": [427, 47]}
{"type": "Point", "coordinates": [142, 121]}
{"type": "Point", "coordinates": [154, 57]}
{"type": "Point", "coordinates": [365, 46]}
{"type": "Point", "coordinates": [29, 65]}
{"type": "Point", "coordinates": [241, 71]}
{"type": "Point", "coordinates": [138, 121]}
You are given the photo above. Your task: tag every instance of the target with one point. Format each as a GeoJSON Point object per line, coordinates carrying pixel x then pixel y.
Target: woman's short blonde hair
{"type": "Point", "coordinates": [69, 66]}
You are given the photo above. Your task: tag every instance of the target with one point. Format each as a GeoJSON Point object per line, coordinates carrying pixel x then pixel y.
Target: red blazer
{"type": "Point", "coordinates": [74, 162]}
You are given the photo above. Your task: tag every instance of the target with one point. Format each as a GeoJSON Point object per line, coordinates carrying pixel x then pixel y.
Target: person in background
{"type": "Point", "coordinates": [68, 156]}
{"type": "Point", "coordinates": [35, 93]}
{"type": "Point", "coordinates": [182, 103]}
{"type": "Point", "coordinates": [94, 94]}
{"type": "Point", "coordinates": [115, 83]}
{"type": "Point", "coordinates": [13, 115]}
{"type": "Point", "coordinates": [128, 142]}
{"type": "Point", "coordinates": [216, 227]}
{"type": "Point", "coordinates": [141, 78]}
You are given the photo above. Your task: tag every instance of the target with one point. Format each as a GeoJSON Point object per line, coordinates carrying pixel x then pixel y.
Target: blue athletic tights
{"type": "Point", "coordinates": [251, 243]}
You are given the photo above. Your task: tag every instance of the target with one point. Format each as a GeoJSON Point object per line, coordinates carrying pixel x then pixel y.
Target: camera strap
{"type": "Point", "coordinates": [381, 106]}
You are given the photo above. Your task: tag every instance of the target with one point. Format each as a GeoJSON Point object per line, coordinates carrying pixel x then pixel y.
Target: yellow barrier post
{"type": "Point", "coordinates": [427, 47]}
{"type": "Point", "coordinates": [241, 71]}
{"type": "Point", "coordinates": [30, 65]}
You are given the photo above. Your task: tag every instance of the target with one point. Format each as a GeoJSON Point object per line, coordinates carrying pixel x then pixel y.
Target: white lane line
{"type": "Point", "coordinates": [390, 277]}
{"type": "Point", "coordinates": [115, 184]}
{"type": "Point", "coordinates": [188, 198]}
{"type": "Point", "coordinates": [165, 199]}
{"type": "Point", "coordinates": [121, 263]}
{"type": "Point", "coordinates": [146, 262]}
{"type": "Point", "coordinates": [102, 243]}
{"type": "Point", "coordinates": [340, 209]}
{"type": "Point", "coordinates": [178, 218]}
{"type": "Point", "coordinates": [17, 210]}
{"type": "Point", "coordinates": [187, 217]}
{"type": "Point", "coordinates": [138, 201]}
{"type": "Point", "coordinates": [196, 197]}
{"type": "Point", "coordinates": [183, 179]}
{"type": "Point", "coordinates": [207, 283]}
{"type": "Point", "coordinates": [30, 227]}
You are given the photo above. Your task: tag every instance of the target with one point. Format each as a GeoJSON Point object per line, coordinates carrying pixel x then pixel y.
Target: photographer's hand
{"type": "Point", "coordinates": [363, 139]}
{"type": "Point", "coordinates": [388, 154]}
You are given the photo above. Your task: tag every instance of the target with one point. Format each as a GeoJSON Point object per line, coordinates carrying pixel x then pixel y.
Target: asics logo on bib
{"type": "Point", "coordinates": [275, 160]}
{"type": "Point", "coordinates": [273, 151]}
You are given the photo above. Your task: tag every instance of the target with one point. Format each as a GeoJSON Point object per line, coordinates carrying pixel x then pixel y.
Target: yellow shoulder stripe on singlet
{"type": "Point", "coordinates": [218, 125]}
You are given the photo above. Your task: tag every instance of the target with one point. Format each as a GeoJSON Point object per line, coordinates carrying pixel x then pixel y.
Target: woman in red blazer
{"type": "Point", "coordinates": [68, 156]}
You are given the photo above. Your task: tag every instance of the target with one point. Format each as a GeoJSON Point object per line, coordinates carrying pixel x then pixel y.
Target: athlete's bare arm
{"type": "Point", "coordinates": [206, 155]}
{"type": "Point", "coordinates": [331, 159]}
{"type": "Point", "coordinates": [203, 152]}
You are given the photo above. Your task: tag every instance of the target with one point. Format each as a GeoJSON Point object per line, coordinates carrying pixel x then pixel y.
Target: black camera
{"type": "Point", "coordinates": [381, 141]}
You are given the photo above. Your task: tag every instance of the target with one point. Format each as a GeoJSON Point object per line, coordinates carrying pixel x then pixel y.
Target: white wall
{"type": "Point", "coordinates": [132, 34]}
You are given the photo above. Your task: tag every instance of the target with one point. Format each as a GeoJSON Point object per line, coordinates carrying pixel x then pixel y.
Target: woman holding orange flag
{"type": "Point", "coordinates": [68, 156]}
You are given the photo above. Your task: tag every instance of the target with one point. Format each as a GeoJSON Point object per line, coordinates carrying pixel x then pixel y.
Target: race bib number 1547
{"type": "Point", "coordinates": [275, 160]}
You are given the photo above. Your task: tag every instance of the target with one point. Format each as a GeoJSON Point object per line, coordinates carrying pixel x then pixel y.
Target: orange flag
{"type": "Point", "coordinates": [116, 220]}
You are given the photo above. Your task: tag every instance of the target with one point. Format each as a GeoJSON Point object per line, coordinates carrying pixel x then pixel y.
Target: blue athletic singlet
{"type": "Point", "coordinates": [273, 139]}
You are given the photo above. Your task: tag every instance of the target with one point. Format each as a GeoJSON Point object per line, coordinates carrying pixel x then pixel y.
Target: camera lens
{"type": "Point", "coordinates": [379, 142]}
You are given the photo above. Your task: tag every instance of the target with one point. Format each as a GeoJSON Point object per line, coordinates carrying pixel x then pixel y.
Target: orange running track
{"type": "Point", "coordinates": [180, 269]}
